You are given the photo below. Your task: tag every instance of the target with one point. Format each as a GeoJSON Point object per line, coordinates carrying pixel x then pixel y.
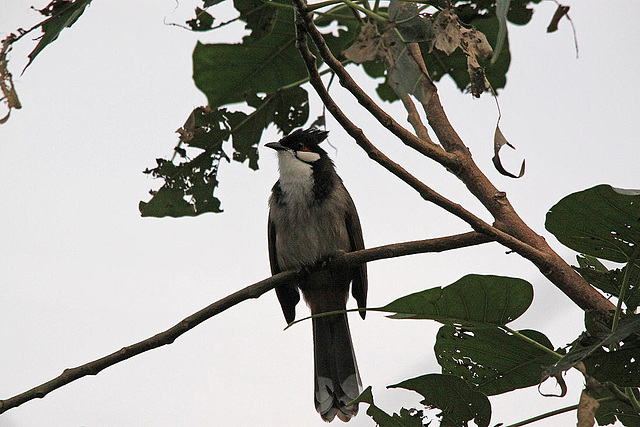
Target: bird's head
{"type": "Point", "coordinates": [302, 144]}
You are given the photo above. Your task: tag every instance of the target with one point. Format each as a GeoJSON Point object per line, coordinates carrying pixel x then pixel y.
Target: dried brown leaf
{"type": "Point", "coordinates": [587, 410]}
{"type": "Point", "coordinates": [366, 47]}
{"type": "Point", "coordinates": [498, 142]}
{"type": "Point", "coordinates": [561, 11]}
{"type": "Point", "coordinates": [447, 31]}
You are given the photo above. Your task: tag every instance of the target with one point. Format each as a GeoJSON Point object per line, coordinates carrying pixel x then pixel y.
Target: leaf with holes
{"type": "Point", "coordinates": [457, 400]}
{"type": "Point", "coordinates": [406, 418]}
{"type": "Point", "coordinates": [629, 326]}
{"type": "Point", "coordinates": [492, 359]}
{"type": "Point", "coordinates": [601, 221]}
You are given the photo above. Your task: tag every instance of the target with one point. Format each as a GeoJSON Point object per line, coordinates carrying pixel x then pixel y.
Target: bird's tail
{"type": "Point", "coordinates": [337, 380]}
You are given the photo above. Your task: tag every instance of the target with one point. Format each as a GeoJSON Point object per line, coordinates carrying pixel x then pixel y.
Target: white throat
{"type": "Point", "coordinates": [295, 176]}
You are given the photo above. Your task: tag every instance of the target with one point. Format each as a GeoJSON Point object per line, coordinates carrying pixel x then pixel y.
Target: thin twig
{"type": "Point", "coordinates": [413, 117]}
{"type": "Point", "coordinates": [252, 291]}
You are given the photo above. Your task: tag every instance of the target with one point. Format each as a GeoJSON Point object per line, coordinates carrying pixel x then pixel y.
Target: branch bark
{"type": "Point", "coordinates": [252, 291]}
{"type": "Point", "coordinates": [508, 229]}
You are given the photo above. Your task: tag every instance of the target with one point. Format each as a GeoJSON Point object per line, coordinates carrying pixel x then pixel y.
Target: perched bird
{"type": "Point", "coordinates": [312, 218]}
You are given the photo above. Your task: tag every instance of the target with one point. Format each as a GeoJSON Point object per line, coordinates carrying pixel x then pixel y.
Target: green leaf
{"type": "Point", "coordinates": [348, 28]}
{"type": "Point", "coordinates": [611, 410]}
{"type": "Point", "coordinates": [167, 202]}
{"type": "Point", "coordinates": [412, 26]}
{"type": "Point", "coordinates": [492, 359]}
{"type": "Point", "coordinates": [202, 22]}
{"type": "Point", "coordinates": [609, 281]}
{"type": "Point", "coordinates": [474, 300]}
{"type": "Point", "coordinates": [288, 109]}
{"type": "Point", "coordinates": [225, 72]}
{"type": "Point", "coordinates": [502, 7]}
{"type": "Point", "coordinates": [193, 181]}
{"type": "Point", "coordinates": [189, 186]}
{"type": "Point", "coordinates": [406, 418]}
{"type": "Point", "coordinates": [259, 16]}
{"type": "Point", "coordinates": [458, 402]}
{"type": "Point", "coordinates": [621, 366]}
{"type": "Point", "coordinates": [63, 14]}
{"type": "Point", "coordinates": [601, 221]}
{"type": "Point", "coordinates": [209, 3]}
{"type": "Point", "coordinates": [628, 326]}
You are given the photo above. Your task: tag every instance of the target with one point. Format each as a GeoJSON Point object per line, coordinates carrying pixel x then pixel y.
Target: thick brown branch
{"type": "Point", "coordinates": [506, 218]}
{"type": "Point", "coordinates": [509, 228]}
{"type": "Point", "coordinates": [425, 191]}
{"type": "Point", "coordinates": [252, 291]}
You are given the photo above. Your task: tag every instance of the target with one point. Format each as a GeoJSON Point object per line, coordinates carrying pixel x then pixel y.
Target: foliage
{"type": "Point", "coordinates": [267, 64]}
{"type": "Point", "coordinates": [475, 344]}
{"type": "Point", "coordinates": [479, 354]}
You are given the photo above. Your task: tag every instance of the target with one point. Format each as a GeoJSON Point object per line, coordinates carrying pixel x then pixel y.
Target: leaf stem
{"type": "Point", "coordinates": [554, 412]}
{"type": "Point", "coordinates": [531, 341]}
{"type": "Point", "coordinates": [628, 391]}
{"type": "Point", "coordinates": [322, 4]}
{"type": "Point", "coordinates": [380, 17]}
{"type": "Point", "coordinates": [306, 79]}
{"type": "Point", "coordinates": [624, 287]}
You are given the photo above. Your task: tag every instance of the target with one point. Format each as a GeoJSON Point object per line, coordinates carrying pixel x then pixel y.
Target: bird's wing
{"type": "Point", "coordinates": [288, 294]}
{"type": "Point", "coordinates": [358, 274]}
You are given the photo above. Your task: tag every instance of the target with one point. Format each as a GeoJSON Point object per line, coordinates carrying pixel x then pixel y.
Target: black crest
{"type": "Point", "coordinates": [310, 138]}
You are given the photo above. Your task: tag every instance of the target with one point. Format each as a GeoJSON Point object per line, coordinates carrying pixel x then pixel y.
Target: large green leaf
{"type": "Point", "coordinates": [62, 14]}
{"type": "Point", "coordinates": [493, 359]}
{"type": "Point", "coordinates": [459, 402]}
{"type": "Point", "coordinates": [259, 16]}
{"type": "Point", "coordinates": [601, 221]}
{"type": "Point", "coordinates": [288, 109]}
{"type": "Point", "coordinates": [348, 28]}
{"type": "Point", "coordinates": [474, 300]}
{"type": "Point", "coordinates": [225, 72]}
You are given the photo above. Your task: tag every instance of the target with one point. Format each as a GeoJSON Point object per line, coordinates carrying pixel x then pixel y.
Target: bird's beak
{"type": "Point", "coordinates": [276, 146]}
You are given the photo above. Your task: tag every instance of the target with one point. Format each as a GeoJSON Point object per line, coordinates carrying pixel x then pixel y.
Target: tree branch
{"type": "Point", "coordinates": [253, 291]}
{"type": "Point", "coordinates": [509, 228]}
{"type": "Point", "coordinates": [414, 118]}
{"type": "Point", "coordinates": [424, 190]}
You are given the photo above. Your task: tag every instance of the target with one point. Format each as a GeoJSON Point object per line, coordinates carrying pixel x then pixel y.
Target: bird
{"type": "Point", "coordinates": [312, 219]}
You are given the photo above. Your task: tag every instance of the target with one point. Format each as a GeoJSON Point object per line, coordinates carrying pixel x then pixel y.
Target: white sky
{"type": "Point", "coordinates": [84, 275]}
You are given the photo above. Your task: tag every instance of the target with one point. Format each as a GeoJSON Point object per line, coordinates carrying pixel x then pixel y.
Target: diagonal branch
{"type": "Point", "coordinates": [413, 117]}
{"type": "Point", "coordinates": [253, 291]}
{"type": "Point", "coordinates": [424, 190]}
{"type": "Point", "coordinates": [510, 230]}
{"type": "Point", "coordinates": [425, 147]}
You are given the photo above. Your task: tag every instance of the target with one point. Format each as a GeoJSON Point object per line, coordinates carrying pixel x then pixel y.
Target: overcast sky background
{"type": "Point", "coordinates": [84, 275]}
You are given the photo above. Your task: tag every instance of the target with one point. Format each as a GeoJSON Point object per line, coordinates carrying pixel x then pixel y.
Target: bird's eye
{"type": "Point", "coordinates": [299, 146]}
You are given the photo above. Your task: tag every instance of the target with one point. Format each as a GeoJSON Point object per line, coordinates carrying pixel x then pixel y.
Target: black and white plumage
{"type": "Point", "coordinates": [311, 219]}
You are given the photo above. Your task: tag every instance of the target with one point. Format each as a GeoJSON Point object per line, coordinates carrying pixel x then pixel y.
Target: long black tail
{"type": "Point", "coordinates": [337, 380]}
